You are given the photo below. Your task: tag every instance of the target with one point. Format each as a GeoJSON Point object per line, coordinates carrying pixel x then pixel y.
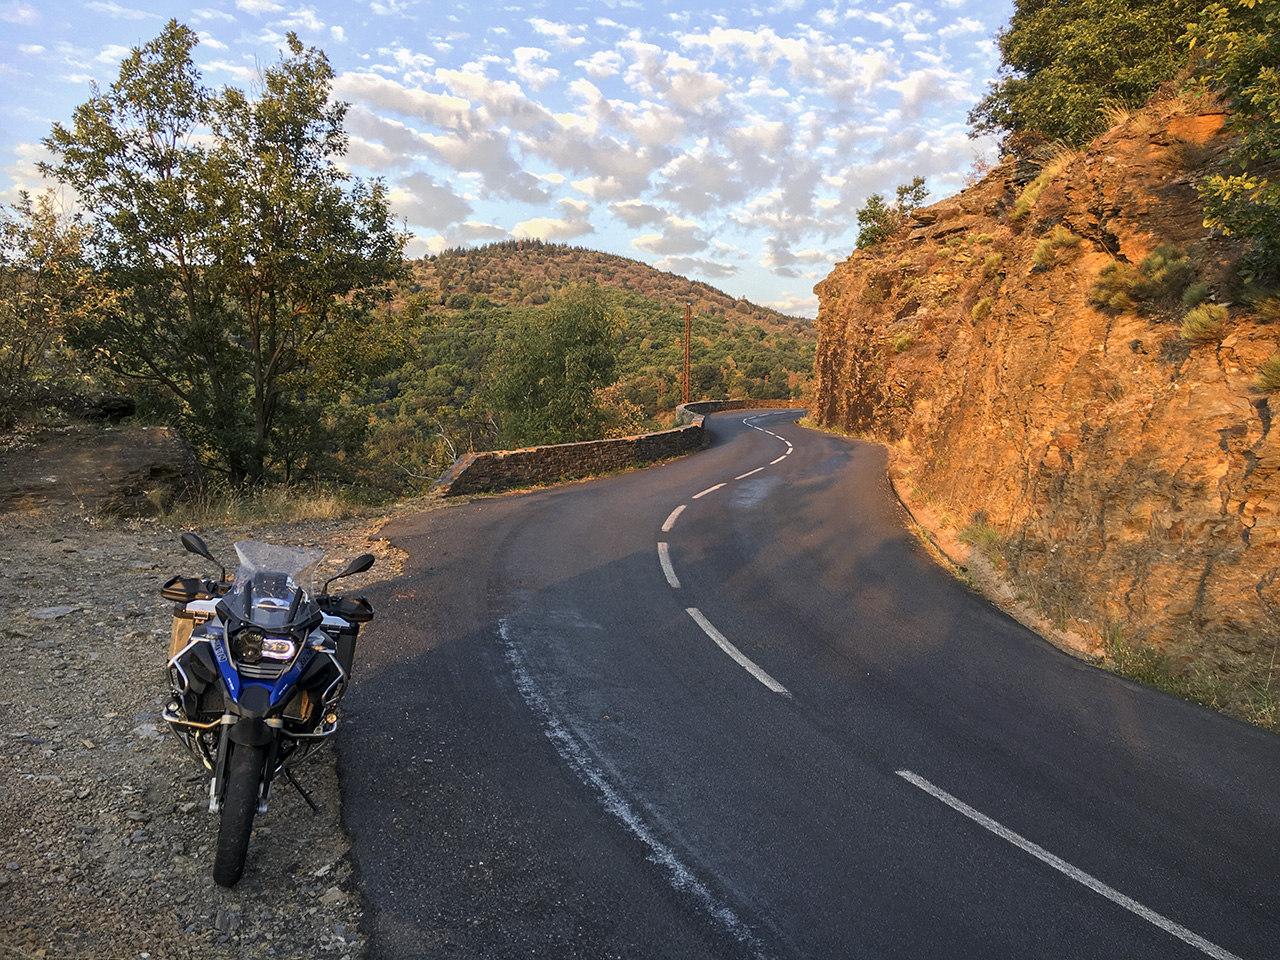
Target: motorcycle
{"type": "Point", "coordinates": [257, 665]}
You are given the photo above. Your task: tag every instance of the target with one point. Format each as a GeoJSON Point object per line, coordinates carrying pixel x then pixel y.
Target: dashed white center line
{"type": "Point", "coordinates": [779, 460]}
{"type": "Point", "coordinates": [664, 558]}
{"type": "Point", "coordinates": [744, 476]}
{"type": "Point", "coordinates": [697, 496]}
{"type": "Point", "coordinates": [1076, 874]}
{"type": "Point", "coordinates": [671, 520]}
{"type": "Point", "coordinates": [738, 656]}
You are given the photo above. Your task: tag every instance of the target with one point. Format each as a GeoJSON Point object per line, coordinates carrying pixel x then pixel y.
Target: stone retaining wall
{"type": "Point", "coordinates": [492, 470]}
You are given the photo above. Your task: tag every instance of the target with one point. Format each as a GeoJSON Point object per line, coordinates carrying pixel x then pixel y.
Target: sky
{"type": "Point", "coordinates": [731, 143]}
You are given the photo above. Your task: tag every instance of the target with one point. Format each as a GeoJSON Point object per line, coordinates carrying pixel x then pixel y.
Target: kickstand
{"type": "Point", "coordinates": [302, 793]}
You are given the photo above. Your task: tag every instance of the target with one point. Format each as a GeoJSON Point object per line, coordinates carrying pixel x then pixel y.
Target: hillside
{"type": "Point", "coordinates": [1067, 366]}
{"type": "Point", "coordinates": [462, 305]}
{"type": "Point", "coordinates": [528, 272]}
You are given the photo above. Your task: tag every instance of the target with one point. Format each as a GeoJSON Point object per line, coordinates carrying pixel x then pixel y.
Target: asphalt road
{"type": "Point", "coordinates": [725, 707]}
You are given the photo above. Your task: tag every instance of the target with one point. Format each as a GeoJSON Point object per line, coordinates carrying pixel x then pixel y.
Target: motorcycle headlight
{"type": "Point", "coordinates": [247, 645]}
{"type": "Point", "coordinates": [278, 648]}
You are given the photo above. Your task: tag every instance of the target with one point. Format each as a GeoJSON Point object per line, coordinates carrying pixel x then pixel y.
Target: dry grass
{"type": "Point", "coordinates": [222, 505]}
{"type": "Point", "coordinates": [1055, 157]}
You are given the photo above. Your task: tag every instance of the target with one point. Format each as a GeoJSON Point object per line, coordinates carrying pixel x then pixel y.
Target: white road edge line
{"type": "Point", "coordinates": [1076, 874]}
{"type": "Point", "coordinates": [738, 656]}
{"type": "Point", "coordinates": [748, 473]}
{"type": "Point", "coordinates": [779, 460]}
{"type": "Point", "coordinates": [671, 520]}
{"type": "Point", "coordinates": [582, 757]}
{"type": "Point", "coordinates": [697, 496]}
{"type": "Point", "coordinates": [664, 558]}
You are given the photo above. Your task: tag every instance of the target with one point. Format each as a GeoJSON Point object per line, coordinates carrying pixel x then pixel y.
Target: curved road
{"type": "Point", "coordinates": [724, 708]}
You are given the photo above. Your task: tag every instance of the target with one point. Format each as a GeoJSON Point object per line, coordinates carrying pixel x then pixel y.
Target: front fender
{"type": "Point", "coordinates": [251, 732]}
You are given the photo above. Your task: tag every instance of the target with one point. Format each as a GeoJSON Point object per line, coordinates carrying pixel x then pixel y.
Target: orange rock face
{"type": "Point", "coordinates": [1130, 473]}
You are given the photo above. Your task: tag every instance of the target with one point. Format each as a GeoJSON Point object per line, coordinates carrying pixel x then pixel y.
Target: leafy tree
{"type": "Point", "coordinates": [46, 290]}
{"type": "Point", "coordinates": [878, 221]}
{"type": "Point", "coordinates": [1063, 60]}
{"type": "Point", "coordinates": [248, 265]}
{"type": "Point", "coordinates": [547, 374]}
{"type": "Point", "coordinates": [1240, 55]}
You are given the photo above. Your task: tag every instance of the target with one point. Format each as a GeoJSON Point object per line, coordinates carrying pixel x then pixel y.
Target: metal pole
{"type": "Point", "coordinates": [688, 317]}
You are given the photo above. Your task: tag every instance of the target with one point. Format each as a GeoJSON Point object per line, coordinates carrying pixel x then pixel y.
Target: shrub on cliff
{"type": "Point", "coordinates": [877, 221]}
{"type": "Point", "coordinates": [1268, 379]}
{"type": "Point", "coordinates": [1156, 285]}
{"type": "Point", "coordinates": [1048, 252]}
{"type": "Point", "coordinates": [1204, 324]}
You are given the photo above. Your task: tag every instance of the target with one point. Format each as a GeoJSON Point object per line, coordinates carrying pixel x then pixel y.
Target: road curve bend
{"type": "Point", "coordinates": [724, 707]}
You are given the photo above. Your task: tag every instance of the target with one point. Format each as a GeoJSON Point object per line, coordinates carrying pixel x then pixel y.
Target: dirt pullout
{"type": "Point", "coordinates": [106, 842]}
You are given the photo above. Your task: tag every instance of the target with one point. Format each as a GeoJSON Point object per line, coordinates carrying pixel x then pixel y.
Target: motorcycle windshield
{"type": "Point", "coordinates": [266, 591]}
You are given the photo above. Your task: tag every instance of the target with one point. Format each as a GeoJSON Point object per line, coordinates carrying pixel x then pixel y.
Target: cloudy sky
{"type": "Point", "coordinates": [729, 143]}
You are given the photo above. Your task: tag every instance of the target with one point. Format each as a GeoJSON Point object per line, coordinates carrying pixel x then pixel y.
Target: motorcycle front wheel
{"type": "Point", "coordinates": [244, 774]}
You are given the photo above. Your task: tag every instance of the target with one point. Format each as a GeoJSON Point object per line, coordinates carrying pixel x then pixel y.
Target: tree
{"type": "Point", "coordinates": [878, 221]}
{"type": "Point", "coordinates": [548, 372]}
{"type": "Point", "coordinates": [1062, 61]}
{"type": "Point", "coordinates": [1237, 42]}
{"type": "Point", "coordinates": [46, 289]}
{"type": "Point", "coordinates": [248, 264]}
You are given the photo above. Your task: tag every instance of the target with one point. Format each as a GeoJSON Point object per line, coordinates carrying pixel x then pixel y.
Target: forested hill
{"type": "Point", "coordinates": [529, 272]}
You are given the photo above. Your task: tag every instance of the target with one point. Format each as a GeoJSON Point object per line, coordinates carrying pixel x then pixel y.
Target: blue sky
{"type": "Point", "coordinates": [729, 143]}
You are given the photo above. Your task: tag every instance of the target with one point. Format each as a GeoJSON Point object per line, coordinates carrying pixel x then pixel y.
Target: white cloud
{"type": "Point", "coordinates": [531, 69]}
{"type": "Point", "coordinates": [678, 236]}
{"type": "Point", "coordinates": [558, 32]}
{"type": "Point", "coordinates": [472, 231]}
{"type": "Point", "coordinates": [383, 94]}
{"type": "Point", "coordinates": [601, 188]}
{"type": "Point", "coordinates": [573, 224]}
{"type": "Point", "coordinates": [23, 14]}
{"type": "Point", "coordinates": [117, 12]}
{"type": "Point", "coordinates": [208, 40]}
{"type": "Point", "coordinates": [245, 73]}
{"type": "Point", "coordinates": [205, 13]}
{"type": "Point", "coordinates": [112, 54]}
{"type": "Point", "coordinates": [303, 18]}
{"type": "Point", "coordinates": [637, 213]}
{"type": "Point", "coordinates": [339, 35]}
{"type": "Point", "coordinates": [601, 64]}
{"type": "Point", "coordinates": [795, 306]}
{"type": "Point", "coordinates": [259, 7]}
{"type": "Point", "coordinates": [31, 49]}
{"type": "Point", "coordinates": [423, 202]}
{"type": "Point", "coordinates": [697, 267]}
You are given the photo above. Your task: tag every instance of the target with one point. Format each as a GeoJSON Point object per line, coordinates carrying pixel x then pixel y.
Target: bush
{"type": "Point", "coordinates": [1204, 324]}
{"type": "Point", "coordinates": [1268, 379]}
{"type": "Point", "coordinates": [991, 265]}
{"type": "Point", "coordinates": [1195, 294]}
{"type": "Point", "coordinates": [1157, 285]}
{"type": "Point", "coordinates": [901, 342]}
{"type": "Point", "coordinates": [1046, 254]}
{"type": "Point", "coordinates": [981, 310]}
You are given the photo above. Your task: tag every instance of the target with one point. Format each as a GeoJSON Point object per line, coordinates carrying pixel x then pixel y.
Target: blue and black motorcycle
{"type": "Point", "coordinates": [258, 665]}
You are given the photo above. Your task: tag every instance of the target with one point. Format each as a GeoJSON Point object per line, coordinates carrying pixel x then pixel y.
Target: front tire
{"type": "Point", "coordinates": [244, 775]}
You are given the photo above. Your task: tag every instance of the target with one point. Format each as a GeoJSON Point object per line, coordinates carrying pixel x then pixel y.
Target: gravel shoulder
{"type": "Point", "coordinates": [106, 842]}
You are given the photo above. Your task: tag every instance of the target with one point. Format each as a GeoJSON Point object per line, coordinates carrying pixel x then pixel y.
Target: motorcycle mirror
{"type": "Point", "coordinates": [359, 565]}
{"type": "Point", "coordinates": [194, 544]}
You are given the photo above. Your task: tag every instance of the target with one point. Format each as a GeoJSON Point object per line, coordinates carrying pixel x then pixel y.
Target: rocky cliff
{"type": "Point", "coordinates": [1023, 350]}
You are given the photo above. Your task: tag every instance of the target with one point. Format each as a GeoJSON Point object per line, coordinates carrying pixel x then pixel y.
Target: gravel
{"type": "Point", "coordinates": [106, 841]}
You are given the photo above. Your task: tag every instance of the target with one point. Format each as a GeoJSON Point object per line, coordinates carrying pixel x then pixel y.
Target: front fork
{"type": "Point", "coordinates": [252, 732]}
